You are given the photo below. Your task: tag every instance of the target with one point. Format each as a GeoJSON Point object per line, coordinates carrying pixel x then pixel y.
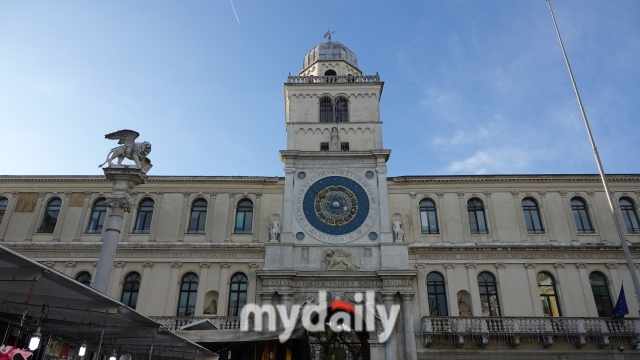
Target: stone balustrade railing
{"type": "Point", "coordinates": [332, 79]}
{"type": "Point", "coordinates": [515, 329]}
{"type": "Point", "coordinates": [174, 323]}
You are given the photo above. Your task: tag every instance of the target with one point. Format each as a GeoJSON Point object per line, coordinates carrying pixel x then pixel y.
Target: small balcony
{"type": "Point", "coordinates": [513, 330]}
{"type": "Point", "coordinates": [175, 323]}
{"type": "Point", "coordinates": [333, 79]}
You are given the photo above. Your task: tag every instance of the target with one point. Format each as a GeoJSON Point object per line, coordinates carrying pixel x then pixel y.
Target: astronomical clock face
{"type": "Point", "coordinates": [336, 206]}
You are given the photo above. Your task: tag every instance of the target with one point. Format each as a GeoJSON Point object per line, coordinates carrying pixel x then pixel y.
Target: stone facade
{"type": "Point", "coordinates": [292, 268]}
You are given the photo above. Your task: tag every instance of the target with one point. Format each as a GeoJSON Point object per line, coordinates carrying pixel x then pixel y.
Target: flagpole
{"type": "Point", "coordinates": [599, 163]}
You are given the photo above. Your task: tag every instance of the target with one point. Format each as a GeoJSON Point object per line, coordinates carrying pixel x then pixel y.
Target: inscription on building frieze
{"type": "Point", "coordinates": [397, 282]}
{"type": "Point", "coordinates": [140, 255]}
{"type": "Point", "coordinates": [521, 256]}
{"type": "Point", "coordinates": [338, 283]}
{"type": "Point", "coordinates": [276, 282]}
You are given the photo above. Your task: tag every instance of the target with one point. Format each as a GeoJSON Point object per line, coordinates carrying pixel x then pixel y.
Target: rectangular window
{"type": "Point", "coordinates": [324, 146]}
{"type": "Point", "coordinates": [344, 146]}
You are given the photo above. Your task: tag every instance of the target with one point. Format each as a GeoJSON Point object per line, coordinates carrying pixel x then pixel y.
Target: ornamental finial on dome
{"type": "Point", "coordinates": [328, 34]}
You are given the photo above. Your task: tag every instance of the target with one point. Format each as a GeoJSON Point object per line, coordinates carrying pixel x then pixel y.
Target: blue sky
{"type": "Point", "coordinates": [471, 87]}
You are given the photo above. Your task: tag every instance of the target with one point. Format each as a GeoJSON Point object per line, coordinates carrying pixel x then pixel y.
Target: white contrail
{"type": "Point", "coordinates": [234, 11]}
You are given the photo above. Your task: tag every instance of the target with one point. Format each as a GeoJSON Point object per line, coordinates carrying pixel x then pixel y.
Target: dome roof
{"type": "Point", "coordinates": [330, 50]}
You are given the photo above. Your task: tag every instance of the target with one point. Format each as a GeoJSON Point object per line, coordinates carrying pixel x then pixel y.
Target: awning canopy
{"type": "Point", "coordinates": [77, 313]}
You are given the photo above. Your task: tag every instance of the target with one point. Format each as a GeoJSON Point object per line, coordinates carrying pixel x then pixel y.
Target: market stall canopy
{"type": "Point", "coordinates": [65, 308]}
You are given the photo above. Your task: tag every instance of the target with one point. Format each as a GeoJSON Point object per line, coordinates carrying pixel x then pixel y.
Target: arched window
{"type": "Point", "coordinates": [98, 214]}
{"type": "Point", "coordinates": [428, 217]}
{"type": "Point", "coordinates": [143, 220]}
{"type": "Point", "coordinates": [548, 295]}
{"type": "Point", "coordinates": [326, 110]}
{"type": "Point", "coordinates": [330, 73]}
{"type": "Point", "coordinates": [3, 207]}
{"type": "Point", "coordinates": [130, 290]}
{"type": "Point", "coordinates": [84, 278]}
{"type": "Point", "coordinates": [188, 292]}
{"type": "Point", "coordinates": [342, 109]}
{"type": "Point", "coordinates": [581, 216]}
{"type": "Point", "coordinates": [437, 295]}
{"type": "Point", "coordinates": [477, 220]}
{"type": "Point", "coordinates": [244, 215]}
{"type": "Point", "coordinates": [532, 216]}
{"type": "Point", "coordinates": [488, 294]}
{"type": "Point", "coordinates": [601, 294]}
{"type": "Point", "coordinates": [629, 214]}
{"type": "Point", "coordinates": [237, 294]}
{"type": "Point", "coordinates": [198, 217]}
{"type": "Point", "coordinates": [50, 216]}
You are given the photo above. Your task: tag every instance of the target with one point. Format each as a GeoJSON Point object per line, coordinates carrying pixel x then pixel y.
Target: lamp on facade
{"type": "Point", "coordinates": [82, 350]}
{"type": "Point", "coordinates": [113, 355]}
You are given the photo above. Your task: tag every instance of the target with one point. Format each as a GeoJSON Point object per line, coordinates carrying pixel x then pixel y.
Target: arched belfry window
{"type": "Point", "coordinates": [237, 294]}
{"type": "Point", "coordinates": [601, 294]}
{"type": "Point", "coordinates": [3, 207]}
{"type": "Point", "coordinates": [98, 214]}
{"type": "Point", "coordinates": [330, 72]}
{"type": "Point", "coordinates": [50, 216]}
{"type": "Point", "coordinates": [130, 290]}
{"type": "Point", "coordinates": [342, 109]}
{"type": "Point", "coordinates": [437, 294]}
{"type": "Point", "coordinates": [629, 215]}
{"type": "Point", "coordinates": [326, 109]}
{"type": "Point", "coordinates": [532, 218]}
{"type": "Point", "coordinates": [143, 219]}
{"type": "Point", "coordinates": [244, 216]}
{"type": "Point", "coordinates": [548, 295]}
{"type": "Point", "coordinates": [477, 218]}
{"type": "Point", "coordinates": [188, 293]}
{"type": "Point", "coordinates": [428, 217]}
{"type": "Point", "coordinates": [488, 294]}
{"type": "Point", "coordinates": [84, 278]}
{"type": "Point", "coordinates": [581, 216]}
{"type": "Point", "coordinates": [198, 217]}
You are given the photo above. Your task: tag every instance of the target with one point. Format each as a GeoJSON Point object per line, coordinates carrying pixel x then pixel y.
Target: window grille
{"type": "Point", "coordinates": [344, 146]}
{"type": "Point", "coordinates": [324, 146]}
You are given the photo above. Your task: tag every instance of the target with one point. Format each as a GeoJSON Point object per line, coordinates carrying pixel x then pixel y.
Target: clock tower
{"type": "Point", "coordinates": [335, 197]}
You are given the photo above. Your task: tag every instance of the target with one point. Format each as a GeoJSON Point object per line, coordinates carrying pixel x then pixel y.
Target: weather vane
{"type": "Point", "coordinates": [328, 34]}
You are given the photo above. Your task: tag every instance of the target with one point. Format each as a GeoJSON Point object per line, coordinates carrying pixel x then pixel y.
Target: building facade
{"type": "Point", "coordinates": [495, 267]}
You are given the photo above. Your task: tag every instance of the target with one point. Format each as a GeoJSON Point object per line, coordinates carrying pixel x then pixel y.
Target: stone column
{"type": "Point", "coordinates": [474, 291]}
{"type": "Point", "coordinates": [202, 287]}
{"type": "Point", "coordinates": [155, 218]}
{"type": "Point", "coordinates": [230, 217]}
{"type": "Point", "coordinates": [286, 236]}
{"type": "Point", "coordinates": [144, 287]}
{"type": "Point", "coordinates": [255, 232]}
{"type": "Point", "coordinates": [409, 327]}
{"type": "Point", "coordinates": [533, 288]}
{"type": "Point", "coordinates": [452, 294]}
{"type": "Point", "coordinates": [68, 270]}
{"type": "Point", "coordinates": [211, 208]}
{"type": "Point", "coordinates": [223, 289]}
{"type": "Point", "coordinates": [124, 179]}
{"type": "Point", "coordinates": [63, 214]}
{"type": "Point", "coordinates": [7, 215]}
{"type": "Point", "coordinates": [83, 215]}
{"type": "Point", "coordinates": [391, 350]}
{"type": "Point", "coordinates": [186, 211]}
{"type": "Point", "coordinates": [590, 302]}
{"type": "Point", "coordinates": [565, 301]}
{"type": "Point", "coordinates": [423, 294]}
{"type": "Point", "coordinates": [35, 216]}
{"type": "Point", "coordinates": [267, 297]}
{"type": "Point", "coordinates": [170, 307]}
{"type": "Point", "coordinates": [115, 282]}
{"type": "Point", "coordinates": [504, 303]}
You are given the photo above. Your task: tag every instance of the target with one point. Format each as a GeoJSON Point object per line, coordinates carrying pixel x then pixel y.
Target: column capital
{"type": "Point", "coordinates": [500, 265]}
{"type": "Point", "coordinates": [69, 263]}
{"type": "Point", "coordinates": [440, 194]}
{"type": "Point", "coordinates": [232, 195]}
{"type": "Point", "coordinates": [119, 205]}
{"type": "Point", "coordinates": [88, 193]}
{"type": "Point", "coordinates": [41, 194]}
{"type": "Point", "coordinates": [449, 265]}
{"type": "Point", "coordinates": [612, 265]}
{"type": "Point", "coordinates": [420, 266]}
{"type": "Point", "coordinates": [407, 295]}
{"type": "Point", "coordinates": [186, 194]}
{"type": "Point", "coordinates": [559, 265]}
{"type": "Point", "coordinates": [205, 264]}
{"type": "Point", "coordinates": [147, 264]}
{"type": "Point", "coordinates": [225, 265]}
{"type": "Point", "coordinates": [412, 195]}
{"type": "Point", "coordinates": [542, 193]}
{"type": "Point", "coordinates": [67, 194]}
{"type": "Point", "coordinates": [119, 263]}
{"type": "Point", "coordinates": [460, 194]}
{"type": "Point", "coordinates": [515, 194]}
{"type": "Point", "coordinates": [176, 264]}
{"type": "Point", "coordinates": [563, 193]}
{"type": "Point", "coordinates": [470, 265]}
{"type": "Point", "coordinates": [581, 265]}
{"type": "Point", "coordinates": [14, 194]}
{"type": "Point", "coordinates": [530, 266]}
{"type": "Point", "coordinates": [258, 195]}
{"type": "Point", "coordinates": [253, 265]}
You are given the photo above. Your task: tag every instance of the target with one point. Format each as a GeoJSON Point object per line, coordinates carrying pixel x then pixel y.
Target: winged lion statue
{"type": "Point", "coordinates": [135, 151]}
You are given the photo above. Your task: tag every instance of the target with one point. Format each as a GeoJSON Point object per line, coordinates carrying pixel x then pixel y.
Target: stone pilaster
{"type": "Point", "coordinates": [155, 218]}
{"type": "Point", "coordinates": [170, 306]}
{"type": "Point", "coordinates": [590, 303]}
{"type": "Point", "coordinates": [473, 289]}
{"type": "Point", "coordinates": [117, 276]}
{"type": "Point", "coordinates": [223, 289]}
{"type": "Point", "coordinates": [452, 295]}
{"type": "Point", "coordinates": [203, 281]}
{"type": "Point", "coordinates": [186, 211]}
{"type": "Point", "coordinates": [80, 226]}
{"type": "Point", "coordinates": [230, 217]}
{"type": "Point", "coordinates": [7, 215]}
{"type": "Point", "coordinates": [68, 270]}
{"type": "Point", "coordinates": [144, 287]}
{"type": "Point", "coordinates": [257, 210]}
{"type": "Point", "coordinates": [35, 216]}
{"type": "Point", "coordinates": [208, 229]}
{"type": "Point", "coordinates": [61, 216]}
{"type": "Point", "coordinates": [533, 288]}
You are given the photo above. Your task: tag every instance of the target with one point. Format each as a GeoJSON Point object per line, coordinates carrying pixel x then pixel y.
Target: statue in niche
{"type": "Point", "coordinates": [135, 151]}
{"type": "Point", "coordinates": [212, 309]}
{"type": "Point", "coordinates": [398, 231]}
{"type": "Point", "coordinates": [274, 230]}
{"type": "Point", "coordinates": [339, 260]}
{"type": "Point", "coordinates": [334, 139]}
{"type": "Point", "coordinates": [463, 308]}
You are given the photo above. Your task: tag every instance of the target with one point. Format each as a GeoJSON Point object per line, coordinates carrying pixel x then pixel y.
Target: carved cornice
{"type": "Point", "coordinates": [513, 178]}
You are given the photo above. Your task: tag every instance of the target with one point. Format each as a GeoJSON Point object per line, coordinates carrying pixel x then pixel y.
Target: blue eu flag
{"type": "Point", "coordinates": [621, 306]}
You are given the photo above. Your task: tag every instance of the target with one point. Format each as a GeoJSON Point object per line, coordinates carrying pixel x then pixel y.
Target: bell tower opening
{"type": "Point", "coordinates": [330, 73]}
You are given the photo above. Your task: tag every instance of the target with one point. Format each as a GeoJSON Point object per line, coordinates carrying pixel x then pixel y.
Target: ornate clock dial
{"type": "Point", "coordinates": [336, 205]}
